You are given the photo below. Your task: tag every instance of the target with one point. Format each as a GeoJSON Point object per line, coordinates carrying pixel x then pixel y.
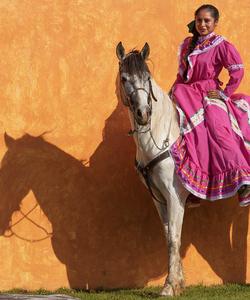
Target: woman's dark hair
{"type": "Point", "coordinates": [212, 9]}
{"type": "Point", "coordinates": [214, 13]}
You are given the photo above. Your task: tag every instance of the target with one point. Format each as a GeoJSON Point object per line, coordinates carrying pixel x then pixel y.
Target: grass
{"type": "Point", "coordinates": [217, 292]}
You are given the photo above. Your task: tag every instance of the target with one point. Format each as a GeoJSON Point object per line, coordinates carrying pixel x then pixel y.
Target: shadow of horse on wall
{"type": "Point", "coordinates": [97, 221]}
{"type": "Point", "coordinates": [105, 228]}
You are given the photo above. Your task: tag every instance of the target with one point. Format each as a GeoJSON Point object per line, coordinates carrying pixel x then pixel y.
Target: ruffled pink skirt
{"type": "Point", "coordinates": [212, 155]}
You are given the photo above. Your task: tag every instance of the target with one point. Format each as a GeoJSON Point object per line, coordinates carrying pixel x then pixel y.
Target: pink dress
{"type": "Point", "coordinates": [212, 155]}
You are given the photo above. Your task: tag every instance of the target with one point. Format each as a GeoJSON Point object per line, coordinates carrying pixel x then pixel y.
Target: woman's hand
{"type": "Point", "coordinates": [214, 94]}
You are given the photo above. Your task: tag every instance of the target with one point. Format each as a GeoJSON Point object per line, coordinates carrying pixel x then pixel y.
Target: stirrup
{"type": "Point", "coordinates": [193, 201]}
{"type": "Point", "coordinates": [244, 202]}
{"type": "Point", "coordinates": [244, 191]}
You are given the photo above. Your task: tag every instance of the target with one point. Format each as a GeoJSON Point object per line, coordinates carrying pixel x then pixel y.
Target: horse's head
{"type": "Point", "coordinates": [135, 82]}
{"type": "Point", "coordinates": [13, 183]}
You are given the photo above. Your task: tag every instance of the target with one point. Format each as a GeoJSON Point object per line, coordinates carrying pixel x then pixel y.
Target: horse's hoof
{"type": "Point", "coordinates": [167, 291]}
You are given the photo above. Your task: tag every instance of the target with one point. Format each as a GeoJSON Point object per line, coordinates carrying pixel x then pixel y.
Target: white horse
{"type": "Point", "coordinates": [155, 128]}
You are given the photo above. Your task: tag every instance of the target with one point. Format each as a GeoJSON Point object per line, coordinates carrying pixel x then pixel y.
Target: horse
{"type": "Point", "coordinates": [155, 128]}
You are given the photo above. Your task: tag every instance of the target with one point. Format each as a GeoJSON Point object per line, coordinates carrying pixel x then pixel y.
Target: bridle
{"type": "Point", "coordinates": [135, 90]}
{"type": "Point", "coordinates": [150, 93]}
{"type": "Point", "coordinates": [137, 128]}
{"type": "Point", "coordinates": [128, 103]}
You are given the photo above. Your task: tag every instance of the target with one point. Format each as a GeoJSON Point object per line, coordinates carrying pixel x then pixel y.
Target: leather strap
{"type": "Point", "coordinates": [145, 171]}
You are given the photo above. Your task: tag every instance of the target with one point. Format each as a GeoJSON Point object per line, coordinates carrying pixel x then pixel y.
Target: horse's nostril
{"type": "Point", "coordinates": [139, 114]}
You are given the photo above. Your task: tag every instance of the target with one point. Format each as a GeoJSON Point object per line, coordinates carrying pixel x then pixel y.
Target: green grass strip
{"type": "Point", "coordinates": [217, 292]}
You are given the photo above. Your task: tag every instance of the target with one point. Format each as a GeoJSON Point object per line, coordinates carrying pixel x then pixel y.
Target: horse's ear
{"type": "Point", "coordinates": [9, 141]}
{"type": "Point", "coordinates": [145, 51]}
{"type": "Point", "coordinates": [120, 51]}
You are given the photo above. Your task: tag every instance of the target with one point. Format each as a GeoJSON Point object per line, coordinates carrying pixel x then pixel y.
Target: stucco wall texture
{"type": "Point", "coordinates": [79, 216]}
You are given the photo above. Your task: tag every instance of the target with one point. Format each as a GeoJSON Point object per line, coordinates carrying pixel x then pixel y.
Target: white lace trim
{"type": "Point", "coordinates": [216, 42]}
{"type": "Point", "coordinates": [223, 96]}
{"type": "Point", "coordinates": [235, 125]}
{"type": "Point", "coordinates": [217, 102]}
{"type": "Point", "coordinates": [195, 120]}
{"type": "Point", "coordinates": [199, 51]}
{"type": "Point", "coordinates": [235, 67]}
{"type": "Point", "coordinates": [182, 119]}
{"type": "Point", "coordinates": [244, 106]}
{"type": "Point", "coordinates": [247, 144]}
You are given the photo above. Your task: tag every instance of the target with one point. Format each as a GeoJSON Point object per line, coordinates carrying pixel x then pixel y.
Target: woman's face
{"type": "Point", "coordinates": [204, 22]}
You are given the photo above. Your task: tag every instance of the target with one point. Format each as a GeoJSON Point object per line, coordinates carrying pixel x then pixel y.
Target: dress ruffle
{"type": "Point", "coordinates": [203, 185]}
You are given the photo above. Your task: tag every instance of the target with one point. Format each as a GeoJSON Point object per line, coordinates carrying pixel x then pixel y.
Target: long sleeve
{"type": "Point", "coordinates": [231, 60]}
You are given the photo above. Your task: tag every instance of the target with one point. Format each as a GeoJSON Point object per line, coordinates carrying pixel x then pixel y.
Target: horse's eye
{"type": "Point", "coordinates": [131, 101]}
{"type": "Point", "coordinates": [123, 79]}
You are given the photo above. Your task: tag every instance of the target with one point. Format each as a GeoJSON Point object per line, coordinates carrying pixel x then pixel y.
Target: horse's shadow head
{"type": "Point", "coordinates": [31, 163]}
{"type": "Point", "coordinates": [14, 185]}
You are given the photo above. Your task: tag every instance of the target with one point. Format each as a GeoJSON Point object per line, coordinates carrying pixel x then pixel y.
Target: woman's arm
{"type": "Point", "coordinates": [231, 60]}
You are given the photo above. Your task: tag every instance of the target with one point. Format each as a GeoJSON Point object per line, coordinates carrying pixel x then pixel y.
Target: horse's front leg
{"type": "Point", "coordinates": [169, 189]}
{"type": "Point", "coordinates": [175, 281]}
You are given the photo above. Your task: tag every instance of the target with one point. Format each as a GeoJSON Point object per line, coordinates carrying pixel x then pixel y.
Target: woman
{"type": "Point", "coordinates": [212, 156]}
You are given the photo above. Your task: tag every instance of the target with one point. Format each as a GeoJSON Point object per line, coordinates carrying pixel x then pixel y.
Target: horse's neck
{"type": "Point", "coordinates": [164, 120]}
{"type": "Point", "coordinates": [164, 125]}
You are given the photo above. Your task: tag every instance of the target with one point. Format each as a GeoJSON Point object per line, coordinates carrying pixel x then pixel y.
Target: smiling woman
{"type": "Point", "coordinates": [206, 21]}
{"type": "Point", "coordinates": [212, 156]}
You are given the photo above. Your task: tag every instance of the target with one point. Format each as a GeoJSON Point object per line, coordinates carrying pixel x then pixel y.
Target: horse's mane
{"type": "Point", "coordinates": [133, 63]}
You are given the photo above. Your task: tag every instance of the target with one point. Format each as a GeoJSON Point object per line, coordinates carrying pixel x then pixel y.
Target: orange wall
{"type": "Point", "coordinates": [91, 223]}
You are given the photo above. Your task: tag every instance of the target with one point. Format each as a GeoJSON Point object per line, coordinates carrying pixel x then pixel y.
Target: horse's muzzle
{"type": "Point", "coordinates": [142, 117]}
